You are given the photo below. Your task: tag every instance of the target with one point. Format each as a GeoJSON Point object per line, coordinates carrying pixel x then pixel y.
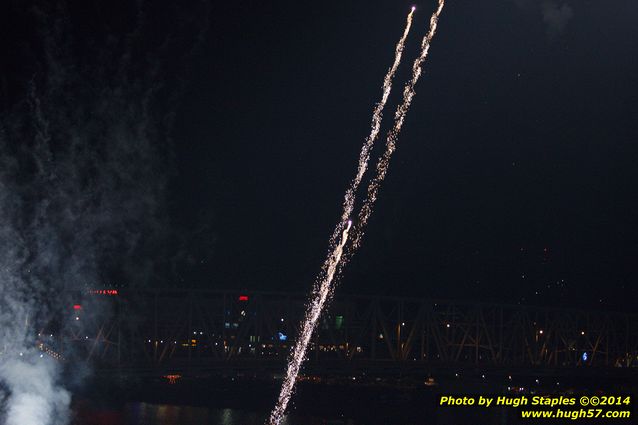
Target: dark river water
{"type": "Point", "coordinates": [248, 402]}
{"type": "Point", "coordinates": [165, 414]}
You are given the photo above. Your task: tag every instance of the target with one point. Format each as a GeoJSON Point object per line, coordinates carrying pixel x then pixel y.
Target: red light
{"type": "Point", "coordinates": [172, 379]}
{"type": "Point", "coordinates": [77, 307]}
{"type": "Point", "coordinates": [243, 298]}
{"type": "Point", "coordinates": [103, 291]}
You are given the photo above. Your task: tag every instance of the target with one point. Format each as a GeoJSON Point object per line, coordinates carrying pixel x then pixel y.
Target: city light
{"type": "Point", "coordinates": [111, 292]}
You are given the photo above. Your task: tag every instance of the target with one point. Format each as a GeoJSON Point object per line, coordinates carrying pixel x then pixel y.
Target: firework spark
{"type": "Point", "coordinates": [312, 315]}
{"type": "Point", "coordinates": [377, 116]}
{"type": "Point", "coordinates": [323, 285]}
{"type": "Point", "coordinates": [393, 134]}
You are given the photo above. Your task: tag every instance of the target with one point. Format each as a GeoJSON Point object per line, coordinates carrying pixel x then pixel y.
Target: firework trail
{"type": "Point", "coordinates": [323, 284]}
{"type": "Point", "coordinates": [377, 115]}
{"type": "Point", "coordinates": [312, 315]}
{"type": "Point", "coordinates": [323, 287]}
{"type": "Point", "coordinates": [393, 134]}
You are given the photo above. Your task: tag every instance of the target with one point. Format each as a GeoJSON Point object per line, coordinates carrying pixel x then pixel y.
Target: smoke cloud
{"type": "Point", "coordinates": [84, 154]}
{"type": "Point", "coordinates": [36, 396]}
{"type": "Point", "coordinates": [556, 17]}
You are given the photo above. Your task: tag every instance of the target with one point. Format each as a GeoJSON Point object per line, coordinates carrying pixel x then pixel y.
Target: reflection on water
{"type": "Point", "coordinates": [152, 414]}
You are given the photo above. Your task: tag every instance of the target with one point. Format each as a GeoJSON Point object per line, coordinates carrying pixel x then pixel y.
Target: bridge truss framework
{"type": "Point", "coordinates": [172, 329]}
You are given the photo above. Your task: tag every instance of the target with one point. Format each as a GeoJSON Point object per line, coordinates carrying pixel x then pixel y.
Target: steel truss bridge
{"type": "Point", "coordinates": [174, 330]}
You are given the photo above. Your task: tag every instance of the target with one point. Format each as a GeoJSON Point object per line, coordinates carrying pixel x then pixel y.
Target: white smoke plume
{"type": "Point", "coordinates": [36, 397]}
{"type": "Point", "coordinates": [83, 159]}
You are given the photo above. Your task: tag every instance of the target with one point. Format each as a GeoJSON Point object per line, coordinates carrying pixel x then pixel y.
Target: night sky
{"type": "Point", "coordinates": [515, 174]}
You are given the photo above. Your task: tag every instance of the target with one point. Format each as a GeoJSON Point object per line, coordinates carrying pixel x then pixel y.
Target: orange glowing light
{"type": "Point", "coordinates": [172, 379]}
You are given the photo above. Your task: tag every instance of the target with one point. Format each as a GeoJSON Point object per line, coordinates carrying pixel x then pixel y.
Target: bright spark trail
{"type": "Point", "coordinates": [377, 115]}
{"type": "Point", "coordinates": [393, 134]}
{"type": "Point", "coordinates": [312, 315]}
{"type": "Point", "coordinates": [323, 285]}
{"type": "Point", "coordinates": [324, 281]}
